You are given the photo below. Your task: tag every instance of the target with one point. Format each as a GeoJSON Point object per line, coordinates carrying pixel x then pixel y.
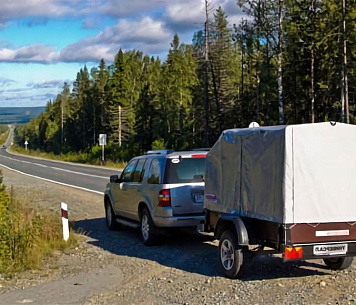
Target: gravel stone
{"type": "Point", "coordinates": [182, 269]}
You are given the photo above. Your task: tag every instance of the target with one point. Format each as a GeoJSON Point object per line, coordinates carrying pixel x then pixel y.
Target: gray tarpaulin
{"type": "Point", "coordinates": [287, 174]}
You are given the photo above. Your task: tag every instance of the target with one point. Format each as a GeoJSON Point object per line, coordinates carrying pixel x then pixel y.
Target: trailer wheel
{"type": "Point", "coordinates": [230, 254]}
{"type": "Point", "coordinates": [338, 263]}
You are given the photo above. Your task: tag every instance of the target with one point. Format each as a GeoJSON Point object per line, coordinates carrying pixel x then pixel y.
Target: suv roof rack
{"type": "Point", "coordinates": [159, 152]}
{"type": "Point", "coordinates": [201, 149]}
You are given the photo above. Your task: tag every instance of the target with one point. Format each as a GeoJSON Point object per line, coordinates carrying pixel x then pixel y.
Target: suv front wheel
{"type": "Point", "coordinates": [147, 229]}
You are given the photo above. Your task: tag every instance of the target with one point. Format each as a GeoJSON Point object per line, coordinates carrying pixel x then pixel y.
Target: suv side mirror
{"type": "Point", "coordinates": [115, 179]}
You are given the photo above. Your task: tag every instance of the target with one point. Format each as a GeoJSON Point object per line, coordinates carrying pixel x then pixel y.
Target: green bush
{"type": "Point", "coordinates": [26, 235]}
{"type": "Point", "coordinates": [4, 132]}
{"type": "Point", "coordinates": [158, 144]}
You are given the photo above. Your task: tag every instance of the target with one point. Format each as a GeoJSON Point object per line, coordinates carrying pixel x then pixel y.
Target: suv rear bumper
{"type": "Point", "coordinates": [178, 221]}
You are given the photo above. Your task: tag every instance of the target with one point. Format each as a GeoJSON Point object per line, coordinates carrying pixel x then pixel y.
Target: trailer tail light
{"type": "Point", "coordinates": [293, 253]}
{"type": "Point", "coordinates": [164, 198]}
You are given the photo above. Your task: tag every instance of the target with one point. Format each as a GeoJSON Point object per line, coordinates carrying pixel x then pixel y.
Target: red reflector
{"type": "Point", "coordinates": [64, 214]}
{"type": "Point", "coordinates": [293, 253]}
{"type": "Point", "coordinates": [199, 156]}
{"type": "Point", "coordinates": [164, 198]}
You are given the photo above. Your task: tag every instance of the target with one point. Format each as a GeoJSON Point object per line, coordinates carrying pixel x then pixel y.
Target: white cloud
{"type": "Point", "coordinates": [34, 8]}
{"type": "Point", "coordinates": [55, 83]}
{"type": "Point", "coordinates": [36, 53]}
{"type": "Point", "coordinates": [28, 96]}
{"type": "Point", "coordinates": [52, 9]}
{"type": "Point", "coordinates": [148, 32]}
{"type": "Point", "coordinates": [5, 81]}
{"type": "Point", "coordinates": [185, 15]}
{"type": "Point", "coordinates": [147, 35]}
{"type": "Point", "coordinates": [127, 8]}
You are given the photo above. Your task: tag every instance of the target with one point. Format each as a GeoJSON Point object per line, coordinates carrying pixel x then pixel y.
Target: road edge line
{"type": "Point", "coordinates": [52, 181]}
{"type": "Point", "coordinates": [9, 151]}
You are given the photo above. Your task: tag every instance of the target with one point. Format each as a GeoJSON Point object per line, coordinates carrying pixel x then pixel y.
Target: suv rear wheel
{"type": "Point", "coordinates": [110, 217]}
{"type": "Point", "coordinates": [147, 229]}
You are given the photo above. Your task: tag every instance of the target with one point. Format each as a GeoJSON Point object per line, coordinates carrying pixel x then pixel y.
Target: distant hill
{"type": "Point", "coordinates": [19, 115]}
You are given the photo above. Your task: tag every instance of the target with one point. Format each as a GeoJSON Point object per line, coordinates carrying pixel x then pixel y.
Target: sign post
{"type": "Point", "coordinates": [26, 143]}
{"type": "Point", "coordinates": [102, 143]}
{"type": "Point", "coordinates": [65, 224]}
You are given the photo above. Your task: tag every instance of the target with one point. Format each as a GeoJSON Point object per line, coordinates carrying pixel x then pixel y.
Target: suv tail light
{"type": "Point", "coordinates": [164, 198]}
{"type": "Point", "coordinates": [199, 156]}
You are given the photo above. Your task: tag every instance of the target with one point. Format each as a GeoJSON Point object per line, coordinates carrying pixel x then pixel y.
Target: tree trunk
{"type": "Point", "coordinates": [344, 68]}
{"type": "Point", "coordinates": [312, 66]}
{"type": "Point", "coordinates": [279, 59]}
{"type": "Point", "coordinates": [206, 87]}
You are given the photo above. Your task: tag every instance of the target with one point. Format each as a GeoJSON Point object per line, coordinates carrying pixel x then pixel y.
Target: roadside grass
{"type": "Point", "coordinates": [27, 235]}
{"type": "Point", "coordinates": [4, 132]}
{"type": "Point", "coordinates": [84, 158]}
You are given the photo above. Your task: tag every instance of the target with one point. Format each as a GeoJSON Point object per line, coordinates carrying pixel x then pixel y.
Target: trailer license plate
{"type": "Point", "coordinates": [335, 249]}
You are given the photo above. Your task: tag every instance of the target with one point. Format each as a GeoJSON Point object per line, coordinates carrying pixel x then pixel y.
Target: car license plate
{"type": "Point", "coordinates": [198, 198]}
{"type": "Point", "coordinates": [334, 249]}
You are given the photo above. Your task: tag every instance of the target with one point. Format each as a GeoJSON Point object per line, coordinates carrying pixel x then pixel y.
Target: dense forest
{"type": "Point", "coordinates": [286, 62]}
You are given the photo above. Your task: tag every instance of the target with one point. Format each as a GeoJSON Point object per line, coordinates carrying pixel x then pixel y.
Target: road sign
{"type": "Point", "coordinates": [102, 142]}
{"type": "Point", "coordinates": [102, 139]}
{"type": "Point", "coordinates": [26, 143]}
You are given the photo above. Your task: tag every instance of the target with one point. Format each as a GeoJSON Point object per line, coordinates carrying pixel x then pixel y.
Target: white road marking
{"type": "Point", "coordinates": [56, 168]}
{"type": "Point", "coordinates": [53, 181]}
{"type": "Point", "coordinates": [79, 173]}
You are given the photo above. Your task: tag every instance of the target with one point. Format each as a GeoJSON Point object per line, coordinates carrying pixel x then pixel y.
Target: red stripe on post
{"type": "Point", "coordinates": [64, 214]}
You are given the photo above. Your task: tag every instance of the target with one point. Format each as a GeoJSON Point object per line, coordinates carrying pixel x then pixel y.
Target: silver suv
{"type": "Point", "coordinates": [157, 190]}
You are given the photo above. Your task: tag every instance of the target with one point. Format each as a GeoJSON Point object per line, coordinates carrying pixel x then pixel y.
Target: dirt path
{"type": "Point", "coordinates": [115, 268]}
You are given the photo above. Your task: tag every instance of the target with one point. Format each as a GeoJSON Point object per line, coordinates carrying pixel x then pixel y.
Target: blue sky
{"type": "Point", "coordinates": [44, 43]}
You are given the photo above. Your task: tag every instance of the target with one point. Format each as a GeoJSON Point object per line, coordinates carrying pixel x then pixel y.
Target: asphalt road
{"type": "Point", "coordinates": [89, 178]}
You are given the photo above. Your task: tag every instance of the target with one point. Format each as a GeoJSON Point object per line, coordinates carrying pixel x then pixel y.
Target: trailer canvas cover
{"type": "Point", "coordinates": [285, 174]}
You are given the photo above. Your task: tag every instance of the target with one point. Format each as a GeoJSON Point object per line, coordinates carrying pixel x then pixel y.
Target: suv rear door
{"type": "Point", "coordinates": [184, 176]}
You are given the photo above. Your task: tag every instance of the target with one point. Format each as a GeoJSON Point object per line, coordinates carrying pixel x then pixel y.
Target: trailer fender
{"type": "Point", "coordinates": [235, 223]}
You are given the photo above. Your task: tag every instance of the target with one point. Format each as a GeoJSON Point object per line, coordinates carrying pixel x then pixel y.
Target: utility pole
{"type": "Point", "coordinates": [120, 125]}
{"type": "Point", "coordinates": [94, 136]}
{"type": "Point", "coordinates": [62, 119]}
{"type": "Point", "coordinates": [206, 88]}
{"type": "Point", "coordinates": [344, 85]}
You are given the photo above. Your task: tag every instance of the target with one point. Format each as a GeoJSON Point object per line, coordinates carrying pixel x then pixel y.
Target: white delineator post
{"type": "Point", "coordinates": [64, 209]}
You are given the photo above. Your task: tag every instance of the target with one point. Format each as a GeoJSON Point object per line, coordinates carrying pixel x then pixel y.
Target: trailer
{"type": "Point", "coordinates": [290, 189]}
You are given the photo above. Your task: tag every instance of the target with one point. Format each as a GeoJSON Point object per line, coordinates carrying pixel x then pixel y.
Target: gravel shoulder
{"type": "Point", "coordinates": [115, 268]}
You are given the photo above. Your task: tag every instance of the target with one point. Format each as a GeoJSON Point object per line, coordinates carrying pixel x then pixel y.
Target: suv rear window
{"type": "Point", "coordinates": [185, 170]}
